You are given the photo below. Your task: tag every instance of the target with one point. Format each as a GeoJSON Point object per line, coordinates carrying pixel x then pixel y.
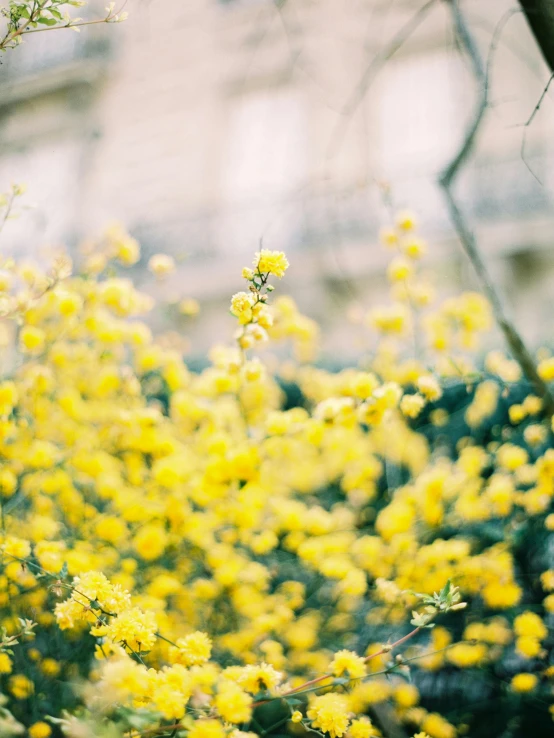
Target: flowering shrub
{"type": "Point", "coordinates": [230, 552]}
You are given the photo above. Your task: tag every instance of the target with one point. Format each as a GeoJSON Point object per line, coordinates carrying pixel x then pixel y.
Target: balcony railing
{"type": "Point", "coordinates": [491, 192]}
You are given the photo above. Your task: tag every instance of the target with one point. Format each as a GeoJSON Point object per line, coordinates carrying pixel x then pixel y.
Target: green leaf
{"type": "Point", "coordinates": [47, 21]}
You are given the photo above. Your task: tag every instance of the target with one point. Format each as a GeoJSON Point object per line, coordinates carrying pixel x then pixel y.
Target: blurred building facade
{"type": "Point", "coordinates": [209, 126]}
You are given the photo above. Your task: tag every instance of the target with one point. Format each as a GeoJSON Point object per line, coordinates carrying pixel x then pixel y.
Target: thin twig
{"type": "Point", "coordinates": [9, 206]}
{"type": "Point", "coordinates": [9, 37]}
{"type": "Point", "coordinates": [375, 66]}
{"type": "Point", "coordinates": [528, 123]}
{"type": "Point", "coordinates": [24, 30]}
{"type": "Point", "coordinates": [495, 39]}
{"type": "Point", "coordinates": [468, 241]}
{"type": "Point", "coordinates": [366, 677]}
{"type": "Point", "coordinates": [386, 649]}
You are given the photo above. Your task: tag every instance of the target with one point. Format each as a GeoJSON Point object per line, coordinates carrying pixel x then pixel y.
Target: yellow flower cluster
{"type": "Point", "coordinates": [255, 530]}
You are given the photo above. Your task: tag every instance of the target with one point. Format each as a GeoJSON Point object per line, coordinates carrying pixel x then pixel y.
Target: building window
{"type": "Point", "coordinates": [264, 167]}
{"type": "Point", "coordinates": [421, 113]}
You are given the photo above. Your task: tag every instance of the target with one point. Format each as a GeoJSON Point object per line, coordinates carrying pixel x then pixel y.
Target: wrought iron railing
{"type": "Point", "coordinates": [491, 191]}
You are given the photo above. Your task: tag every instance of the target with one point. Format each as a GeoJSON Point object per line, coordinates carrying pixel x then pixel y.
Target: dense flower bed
{"type": "Point", "coordinates": [234, 552]}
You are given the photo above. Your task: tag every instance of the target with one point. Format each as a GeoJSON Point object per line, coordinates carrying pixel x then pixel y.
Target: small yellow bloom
{"type": "Point", "coordinates": [21, 686]}
{"type": "Point", "coordinates": [39, 730]}
{"type": "Point", "coordinates": [429, 387]}
{"type": "Point", "coordinates": [530, 624]}
{"type": "Point", "coordinates": [194, 649]}
{"type": "Point", "coordinates": [524, 682]}
{"type": "Point", "coordinates": [405, 220]}
{"type": "Point", "coordinates": [329, 713]}
{"type": "Point", "coordinates": [399, 270]}
{"type": "Point", "coordinates": [412, 405]}
{"type": "Point", "coordinates": [348, 662]}
{"type": "Point", "coordinates": [189, 306]}
{"type": "Point", "coordinates": [272, 262]}
{"type": "Point", "coordinates": [546, 369]}
{"type": "Point", "coordinates": [5, 663]}
{"type": "Point", "coordinates": [232, 703]}
{"type": "Point", "coordinates": [161, 264]}
{"type": "Point", "coordinates": [31, 339]}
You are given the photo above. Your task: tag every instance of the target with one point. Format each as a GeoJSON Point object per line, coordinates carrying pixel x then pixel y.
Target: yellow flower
{"type": "Point", "coordinates": [5, 663]}
{"type": "Point", "coordinates": [161, 264]}
{"type": "Point", "coordinates": [169, 701]}
{"type": "Point", "coordinates": [406, 695]}
{"type": "Point", "coordinates": [189, 306]}
{"type": "Point", "coordinates": [465, 655]}
{"type": "Point", "coordinates": [388, 237]}
{"type": "Point", "coordinates": [262, 677]}
{"type": "Point", "coordinates": [535, 434]}
{"type": "Point", "coordinates": [272, 262]}
{"type": "Point", "coordinates": [517, 413]}
{"type": "Point", "coordinates": [405, 220]}
{"type": "Point", "coordinates": [399, 270]}
{"type": "Point", "coordinates": [50, 667]}
{"type": "Point", "coordinates": [241, 307]}
{"type": "Point", "coordinates": [134, 628]}
{"type": "Point", "coordinates": [20, 686]}
{"type": "Point", "coordinates": [32, 339]}
{"type": "Point", "coordinates": [547, 580]}
{"type": "Point", "coordinates": [296, 716]}
{"type": "Point", "coordinates": [415, 248]}
{"type": "Point", "coordinates": [329, 713]}
{"type": "Point", "coordinates": [193, 649]}
{"type": "Point", "coordinates": [528, 646]}
{"type": "Point", "coordinates": [524, 682]}
{"type": "Point", "coordinates": [150, 541]}
{"type": "Point", "coordinates": [530, 624]}
{"type": "Point", "coordinates": [39, 730]}
{"type": "Point", "coordinates": [8, 397]}
{"type": "Point", "coordinates": [362, 728]}
{"type": "Point", "coordinates": [437, 727]}
{"type": "Point", "coordinates": [207, 728]}
{"type": "Point", "coordinates": [429, 387]}
{"type": "Point", "coordinates": [412, 405]}
{"type": "Point", "coordinates": [232, 703]}
{"type": "Point", "coordinates": [546, 369]}
{"type": "Point", "coordinates": [348, 662]}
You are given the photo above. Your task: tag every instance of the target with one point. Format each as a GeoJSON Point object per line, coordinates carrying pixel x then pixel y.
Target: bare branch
{"type": "Point", "coordinates": [495, 39]}
{"type": "Point", "coordinates": [15, 33]}
{"type": "Point", "coordinates": [447, 179]}
{"type": "Point", "coordinates": [528, 123]}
